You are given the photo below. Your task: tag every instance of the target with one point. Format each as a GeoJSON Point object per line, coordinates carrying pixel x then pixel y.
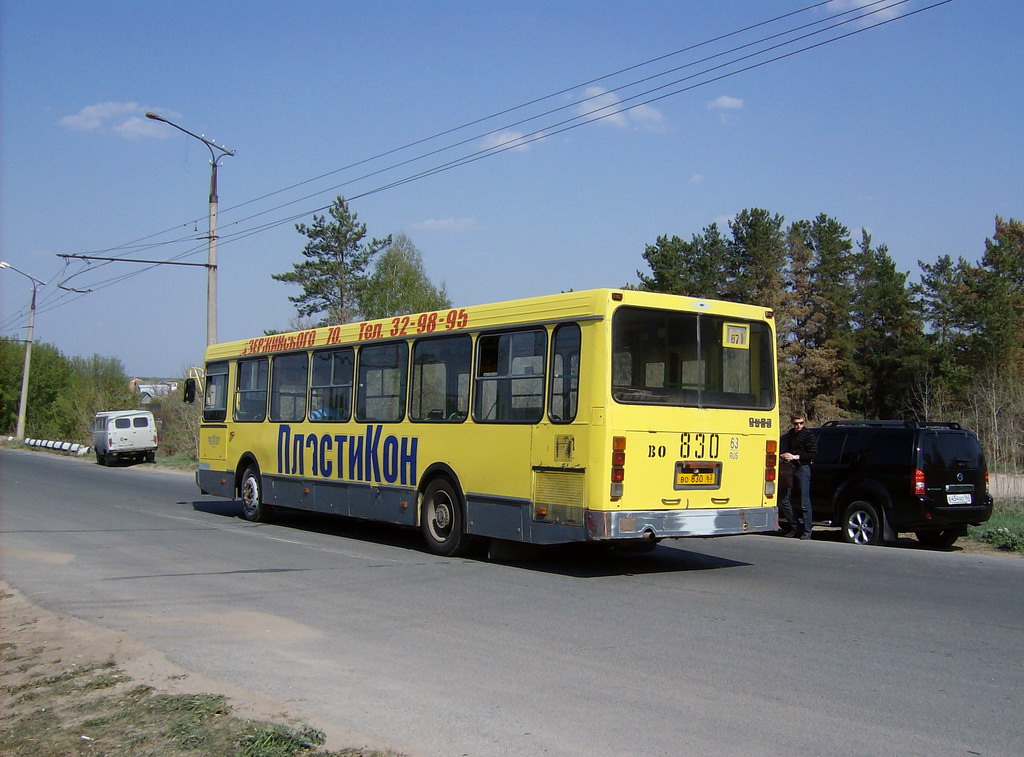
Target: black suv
{"type": "Point", "coordinates": [876, 479]}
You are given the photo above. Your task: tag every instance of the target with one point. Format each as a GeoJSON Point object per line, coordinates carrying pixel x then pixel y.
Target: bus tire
{"type": "Point", "coordinates": [250, 491]}
{"type": "Point", "coordinates": [441, 519]}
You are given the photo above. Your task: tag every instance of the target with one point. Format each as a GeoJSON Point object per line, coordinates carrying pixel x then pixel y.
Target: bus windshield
{"type": "Point", "coordinates": [662, 357]}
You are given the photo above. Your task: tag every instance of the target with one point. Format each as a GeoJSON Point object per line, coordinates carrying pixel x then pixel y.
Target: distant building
{"type": "Point", "coordinates": [147, 389]}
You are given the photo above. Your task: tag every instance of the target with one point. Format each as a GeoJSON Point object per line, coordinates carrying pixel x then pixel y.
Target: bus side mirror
{"type": "Point", "coordinates": [190, 391]}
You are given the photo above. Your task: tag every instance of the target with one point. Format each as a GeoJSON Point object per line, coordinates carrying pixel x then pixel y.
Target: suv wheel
{"type": "Point", "coordinates": [862, 524]}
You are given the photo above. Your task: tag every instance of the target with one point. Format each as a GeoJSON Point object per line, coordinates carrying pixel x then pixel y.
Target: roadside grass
{"type": "Point", "coordinates": [180, 460]}
{"type": "Point", "coordinates": [96, 709]}
{"type": "Point", "coordinates": [1005, 529]}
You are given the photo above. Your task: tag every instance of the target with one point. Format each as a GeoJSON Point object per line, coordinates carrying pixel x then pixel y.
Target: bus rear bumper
{"type": "Point", "coordinates": [672, 524]}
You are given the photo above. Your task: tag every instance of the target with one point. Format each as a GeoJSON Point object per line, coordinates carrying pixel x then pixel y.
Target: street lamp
{"type": "Point", "coordinates": [211, 265]}
{"type": "Point", "coordinates": [19, 434]}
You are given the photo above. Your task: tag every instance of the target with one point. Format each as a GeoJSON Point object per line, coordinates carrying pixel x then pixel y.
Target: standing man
{"type": "Point", "coordinates": [798, 446]}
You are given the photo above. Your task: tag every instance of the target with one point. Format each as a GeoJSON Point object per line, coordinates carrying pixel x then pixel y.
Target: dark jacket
{"type": "Point", "coordinates": [802, 443]}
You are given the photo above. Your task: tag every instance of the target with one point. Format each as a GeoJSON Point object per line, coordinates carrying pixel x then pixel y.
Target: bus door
{"type": "Point", "coordinates": [559, 443]}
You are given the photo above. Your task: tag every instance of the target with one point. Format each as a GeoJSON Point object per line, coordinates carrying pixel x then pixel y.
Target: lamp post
{"type": "Point", "coordinates": [19, 434]}
{"type": "Point", "coordinates": [211, 264]}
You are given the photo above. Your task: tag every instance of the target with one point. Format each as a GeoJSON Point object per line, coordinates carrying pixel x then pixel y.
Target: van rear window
{"type": "Point", "coordinates": [140, 422]}
{"type": "Point", "coordinates": [122, 423]}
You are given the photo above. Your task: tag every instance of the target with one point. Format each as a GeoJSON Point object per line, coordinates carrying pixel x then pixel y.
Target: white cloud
{"type": "Point", "coordinates": [446, 224]}
{"type": "Point", "coordinates": [506, 140]}
{"type": "Point", "coordinates": [124, 119]}
{"type": "Point", "coordinates": [725, 105]}
{"type": "Point", "coordinates": [600, 104]}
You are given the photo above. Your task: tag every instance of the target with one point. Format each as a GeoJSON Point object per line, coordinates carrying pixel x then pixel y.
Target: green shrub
{"type": "Point", "coordinates": [1005, 530]}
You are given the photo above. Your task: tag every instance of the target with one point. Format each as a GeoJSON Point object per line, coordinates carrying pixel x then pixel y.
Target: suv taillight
{"type": "Point", "coordinates": [919, 490]}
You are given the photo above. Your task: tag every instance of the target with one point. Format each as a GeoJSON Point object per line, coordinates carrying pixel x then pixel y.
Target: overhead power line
{"type": "Point", "coordinates": [730, 67]}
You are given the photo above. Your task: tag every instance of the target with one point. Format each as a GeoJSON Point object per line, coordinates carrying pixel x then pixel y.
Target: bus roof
{"type": "Point", "coordinates": [582, 305]}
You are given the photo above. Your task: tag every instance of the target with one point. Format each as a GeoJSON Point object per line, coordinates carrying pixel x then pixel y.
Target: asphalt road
{"type": "Point", "coordinates": [738, 646]}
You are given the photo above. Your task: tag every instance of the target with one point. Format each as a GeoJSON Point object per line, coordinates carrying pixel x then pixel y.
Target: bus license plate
{"type": "Point", "coordinates": [692, 474]}
{"type": "Point", "coordinates": [691, 478]}
{"type": "Point", "coordinates": [958, 499]}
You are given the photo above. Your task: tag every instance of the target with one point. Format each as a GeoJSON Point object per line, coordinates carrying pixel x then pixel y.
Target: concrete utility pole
{"type": "Point", "coordinates": [211, 265]}
{"type": "Point", "coordinates": [19, 434]}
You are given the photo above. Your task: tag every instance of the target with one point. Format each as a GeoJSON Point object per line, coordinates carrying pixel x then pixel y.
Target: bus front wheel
{"type": "Point", "coordinates": [441, 519]}
{"type": "Point", "coordinates": [251, 491]}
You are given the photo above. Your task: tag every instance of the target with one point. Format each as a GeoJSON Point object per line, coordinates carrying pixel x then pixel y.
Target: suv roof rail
{"type": "Point", "coordinates": [896, 424]}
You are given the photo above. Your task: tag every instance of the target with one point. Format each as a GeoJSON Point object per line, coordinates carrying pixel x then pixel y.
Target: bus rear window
{"type": "Point", "coordinates": [662, 357]}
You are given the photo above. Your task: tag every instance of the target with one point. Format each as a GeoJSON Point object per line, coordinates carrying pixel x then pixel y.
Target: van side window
{"type": "Point", "coordinates": [251, 393]}
{"type": "Point", "coordinates": [215, 404]}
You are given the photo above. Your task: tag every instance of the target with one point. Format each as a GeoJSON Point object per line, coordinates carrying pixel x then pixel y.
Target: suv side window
{"type": "Point", "coordinates": [857, 448]}
{"type": "Point", "coordinates": [893, 448]}
{"type": "Point", "coordinates": [830, 448]}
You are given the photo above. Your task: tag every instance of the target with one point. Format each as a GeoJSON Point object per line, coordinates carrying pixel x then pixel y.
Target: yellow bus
{"type": "Point", "coordinates": [612, 416]}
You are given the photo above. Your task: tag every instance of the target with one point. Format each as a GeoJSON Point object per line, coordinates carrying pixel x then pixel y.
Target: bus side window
{"type": "Point", "coordinates": [565, 373]}
{"type": "Point", "coordinates": [440, 379]}
{"type": "Point", "coordinates": [510, 377]}
{"type": "Point", "coordinates": [215, 406]}
{"type": "Point", "coordinates": [288, 387]}
{"type": "Point", "coordinates": [251, 392]}
{"type": "Point", "coordinates": [380, 391]}
{"type": "Point", "coordinates": [330, 397]}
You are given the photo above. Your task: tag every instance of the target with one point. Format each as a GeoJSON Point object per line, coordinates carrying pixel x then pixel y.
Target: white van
{"type": "Point", "coordinates": [123, 435]}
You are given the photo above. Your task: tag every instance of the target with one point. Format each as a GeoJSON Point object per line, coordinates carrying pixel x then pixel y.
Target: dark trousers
{"type": "Point", "coordinates": [803, 521]}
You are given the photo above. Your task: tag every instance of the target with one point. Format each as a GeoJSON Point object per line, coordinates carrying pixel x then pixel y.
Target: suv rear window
{"type": "Point", "coordinates": [951, 450]}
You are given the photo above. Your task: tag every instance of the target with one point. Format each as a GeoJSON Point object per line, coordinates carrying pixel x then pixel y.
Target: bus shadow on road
{"type": "Point", "coordinates": [574, 560]}
{"type": "Point", "coordinates": [594, 561]}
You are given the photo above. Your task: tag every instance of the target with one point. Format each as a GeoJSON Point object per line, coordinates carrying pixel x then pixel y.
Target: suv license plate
{"type": "Point", "coordinates": [958, 499]}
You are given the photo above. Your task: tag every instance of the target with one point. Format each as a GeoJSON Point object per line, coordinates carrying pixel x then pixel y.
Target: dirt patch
{"type": "Point", "coordinates": [68, 686]}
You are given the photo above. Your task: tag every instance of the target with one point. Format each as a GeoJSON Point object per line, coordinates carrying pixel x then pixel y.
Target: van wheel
{"type": "Point", "coordinates": [251, 490]}
{"type": "Point", "coordinates": [862, 524]}
{"type": "Point", "coordinates": [441, 519]}
{"type": "Point", "coordinates": [101, 459]}
{"type": "Point", "coordinates": [938, 539]}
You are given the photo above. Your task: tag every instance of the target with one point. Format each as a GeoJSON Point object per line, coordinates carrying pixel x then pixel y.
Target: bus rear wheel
{"type": "Point", "coordinates": [441, 519]}
{"type": "Point", "coordinates": [251, 491]}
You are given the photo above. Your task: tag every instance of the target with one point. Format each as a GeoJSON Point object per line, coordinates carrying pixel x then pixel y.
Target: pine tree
{"type": "Point", "coordinates": [334, 272]}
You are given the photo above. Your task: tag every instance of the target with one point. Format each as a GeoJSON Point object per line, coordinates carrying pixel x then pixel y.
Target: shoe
{"type": "Point", "coordinates": [805, 536]}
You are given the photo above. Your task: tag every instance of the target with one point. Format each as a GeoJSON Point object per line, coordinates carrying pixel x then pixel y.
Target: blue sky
{"type": "Point", "coordinates": [911, 130]}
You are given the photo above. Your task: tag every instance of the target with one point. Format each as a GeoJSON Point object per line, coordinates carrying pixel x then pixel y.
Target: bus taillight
{"type": "Point", "coordinates": [618, 466]}
{"type": "Point", "coordinates": [771, 462]}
